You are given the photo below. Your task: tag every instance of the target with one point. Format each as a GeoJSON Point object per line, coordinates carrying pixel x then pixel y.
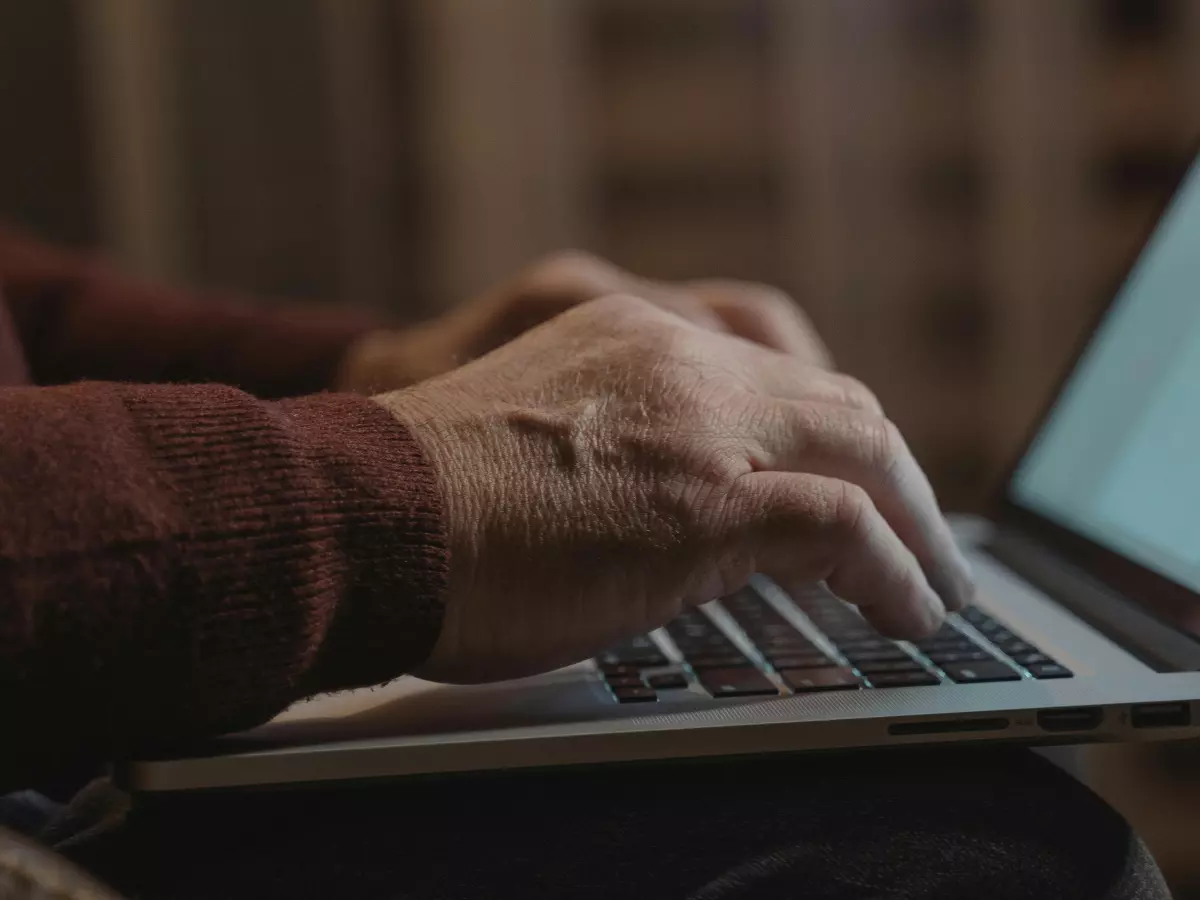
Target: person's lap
{"type": "Point", "coordinates": [987, 823]}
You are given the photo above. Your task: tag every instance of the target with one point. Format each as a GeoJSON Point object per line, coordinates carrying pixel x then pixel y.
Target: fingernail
{"type": "Point", "coordinates": [964, 585]}
{"type": "Point", "coordinates": [955, 584]}
{"type": "Point", "coordinates": [935, 612]}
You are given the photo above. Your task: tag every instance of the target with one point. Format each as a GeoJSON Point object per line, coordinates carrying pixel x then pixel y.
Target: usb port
{"type": "Point", "coordinates": [1075, 718]}
{"type": "Point", "coordinates": [1161, 715]}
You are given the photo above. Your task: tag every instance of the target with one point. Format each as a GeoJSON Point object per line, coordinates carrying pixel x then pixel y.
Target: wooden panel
{"type": "Point", "coordinates": [45, 150]}
{"type": "Point", "coordinates": [811, 60]}
{"type": "Point", "coordinates": [129, 56]}
{"type": "Point", "coordinates": [1036, 106]}
{"type": "Point", "coordinates": [716, 113]}
{"type": "Point", "coordinates": [504, 143]}
{"type": "Point", "coordinates": [370, 69]}
{"type": "Point", "coordinates": [258, 139]}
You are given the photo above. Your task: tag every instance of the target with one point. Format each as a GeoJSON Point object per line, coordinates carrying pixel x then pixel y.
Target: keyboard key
{"type": "Point", "coordinates": [635, 695]}
{"type": "Point", "coordinates": [943, 634]}
{"type": "Point", "coordinates": [1016, 647]}
{"type": "Point", "coordinates": [840, 628]}
{"type": "Point", "coordinates": [711, 642]}
{"type": "Point", "coordinates": [638, 646]}
{"type": "Point", "coordinates": [840, 618]}
{"type": "Point", "coordinates": [1013, 645]}
{"type": "Point", "coordinates": [717, 661]}
{"type": "Point", "coordinates": [959, 657]}
{"type": "Point", "coordinates": [791, 645]}
{"type": "Point", "coordinates": [903, 679]}
{"type": "Point", "coordinates": [895, 654]}
{"type": "Point", "coordinates": [975, 615]}
{"type": "Point", "coordinates": [957, 645]}
{"type": "Point", "coordinates": [640, 651]}
{"type": "Point", "coordinates": [641, 643]}
{"type": "Point", "coordinates": [848, 647]}
{"type": "Point", "coordinates": [1050, 670]}
{"type": "Point", "coordinates": [1030, 659]}
{"type": "Point", "coordinates": [857, 634]}
{"type": "Point", "coordinates": [775, 630]}
{"type": "Point", "coordinates": [748, 601]}
{"type": "Point", "coordinates": [880, 668]}
{"type": "Point", "coordinates": [736, 682]}
{"type": "Point", "coordinates": [808, 681]}
{"type": "Point", "coordinates": [618, 669]}
{"type": "Point", "coordinates": [624, 681]}
{"type": "Point", "coordinates": [979, 673]}
{"type": "Point", "coordinates": [643, 661]}
{"type": "Point", "coordinates": [668, 681]}
{"type": "Point", "coordinates": [803, 661]}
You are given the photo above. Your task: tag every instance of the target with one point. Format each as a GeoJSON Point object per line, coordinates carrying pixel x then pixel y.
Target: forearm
{"type": "Point", "coordinates": [184, 561]}
{"type": "Point", "coordinates": [77, 318]}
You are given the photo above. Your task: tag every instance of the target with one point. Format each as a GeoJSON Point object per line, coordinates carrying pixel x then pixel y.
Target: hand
{"type": "Point", "coordinates": [387, 360]}
{"type": "Point", "coordinates": [619, 463]}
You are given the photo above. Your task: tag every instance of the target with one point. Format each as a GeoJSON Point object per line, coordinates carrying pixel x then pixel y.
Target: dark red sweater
{"type": "Point", "coordinates": [178, 560]}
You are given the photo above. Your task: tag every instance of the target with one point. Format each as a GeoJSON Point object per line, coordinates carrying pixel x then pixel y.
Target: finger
{"type": "Point", "coordinates": [552, 286]}
{"type": "Point", "coordinates": [868, 450]}
{"type": "Point", "coordinates": [566, 279]}
{"type": "Point", "coordinates": [806, 528]}
{"type": "Point", "coordinates": [572, 276]}
{"type": "Point", "coordinates": [683, 305]}
{"type": "Point", "coordinates": [788, 378]}
{"type": "Point", "coordinates": [764, 315]}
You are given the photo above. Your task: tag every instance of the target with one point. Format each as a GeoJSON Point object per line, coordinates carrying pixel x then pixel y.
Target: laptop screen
{"type": "Point", "coordinates": [1118, 459]}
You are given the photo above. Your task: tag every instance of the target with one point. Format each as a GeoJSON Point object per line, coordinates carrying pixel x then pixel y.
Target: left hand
{"type": "Point", "coordinates": [389, 360]}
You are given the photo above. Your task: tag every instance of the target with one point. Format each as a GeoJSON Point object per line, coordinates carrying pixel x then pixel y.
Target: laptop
{"type": "Point", "coordinates": [1086, 625]}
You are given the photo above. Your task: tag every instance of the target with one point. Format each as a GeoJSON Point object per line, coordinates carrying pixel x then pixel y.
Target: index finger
{"type": "Point", "coordinates": [868, 450]}
{"type": "Point", "coordinates": [809, 528]}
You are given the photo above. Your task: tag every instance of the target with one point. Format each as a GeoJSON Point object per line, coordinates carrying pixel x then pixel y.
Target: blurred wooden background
{"type": "Point", "coordinates": [948, 186]}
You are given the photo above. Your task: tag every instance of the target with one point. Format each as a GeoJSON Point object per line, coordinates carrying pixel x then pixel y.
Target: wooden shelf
{"type": "Point", "coordinates": [711, 112]}
{"type": "Point", "coordinates": [618, 30]}
{"type": "Point", "coordinates": [672, 244]}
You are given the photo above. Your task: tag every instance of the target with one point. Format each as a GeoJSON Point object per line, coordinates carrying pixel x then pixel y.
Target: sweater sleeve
{"type": "Point", "coordinates": [77, 318]}
{"type": "Point", "coordinates": [178, 561]}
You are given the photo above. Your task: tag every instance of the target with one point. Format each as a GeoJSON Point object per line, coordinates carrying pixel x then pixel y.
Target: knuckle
{"type": "Point", "coordinates": [655, 348]}
{"type": "Point", "coordinates": [892, 444]}
{"type": "Point", "coordinates": [769, 299]}
{"type": "Point", "coordinates": [619, 309]}
{"type": "Point", "coordinates": [761, 304]}
{"type": "Point", "coordinates": [860, 395]}
{"type": "Point", "coordinates": [665, 338]}
{"type": "Point", "coordinates": [749, 294]}
{"type": "Point", "coordinates": [711, 472]}
{"type": "Point", "coordinates": [881, 441]}
{"type": "Point", "coordinates": [851, 514]}
{"type": "Point", "coordinates": [571, 272]}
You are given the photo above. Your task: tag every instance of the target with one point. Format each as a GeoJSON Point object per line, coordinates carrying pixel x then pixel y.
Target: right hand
{"type": "Point", "coordinates": [618, 464]}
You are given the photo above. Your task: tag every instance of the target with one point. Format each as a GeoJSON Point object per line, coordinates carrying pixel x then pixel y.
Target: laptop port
{"type": "Point", "coordinates": [1161, 715]}
{"type": "Point", "coordinates": [948, 726]}
{"type": "Point", "coordinates": [1075, 718]}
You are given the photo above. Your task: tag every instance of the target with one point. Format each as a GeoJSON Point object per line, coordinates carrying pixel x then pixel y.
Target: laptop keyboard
{"type": "Point", "coordinates": [839, 651]}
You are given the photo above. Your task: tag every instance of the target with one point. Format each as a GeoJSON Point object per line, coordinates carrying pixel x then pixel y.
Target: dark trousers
{"type": "Point", "coordinates": [956, 824]}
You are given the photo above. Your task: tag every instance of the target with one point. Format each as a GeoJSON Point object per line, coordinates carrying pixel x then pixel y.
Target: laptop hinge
{"type": "Point", "coordinates": [1122, 621]}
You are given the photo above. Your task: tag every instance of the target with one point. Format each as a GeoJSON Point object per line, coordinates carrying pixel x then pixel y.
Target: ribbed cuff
{"type": "Point", "coordinates": [315, 544]}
